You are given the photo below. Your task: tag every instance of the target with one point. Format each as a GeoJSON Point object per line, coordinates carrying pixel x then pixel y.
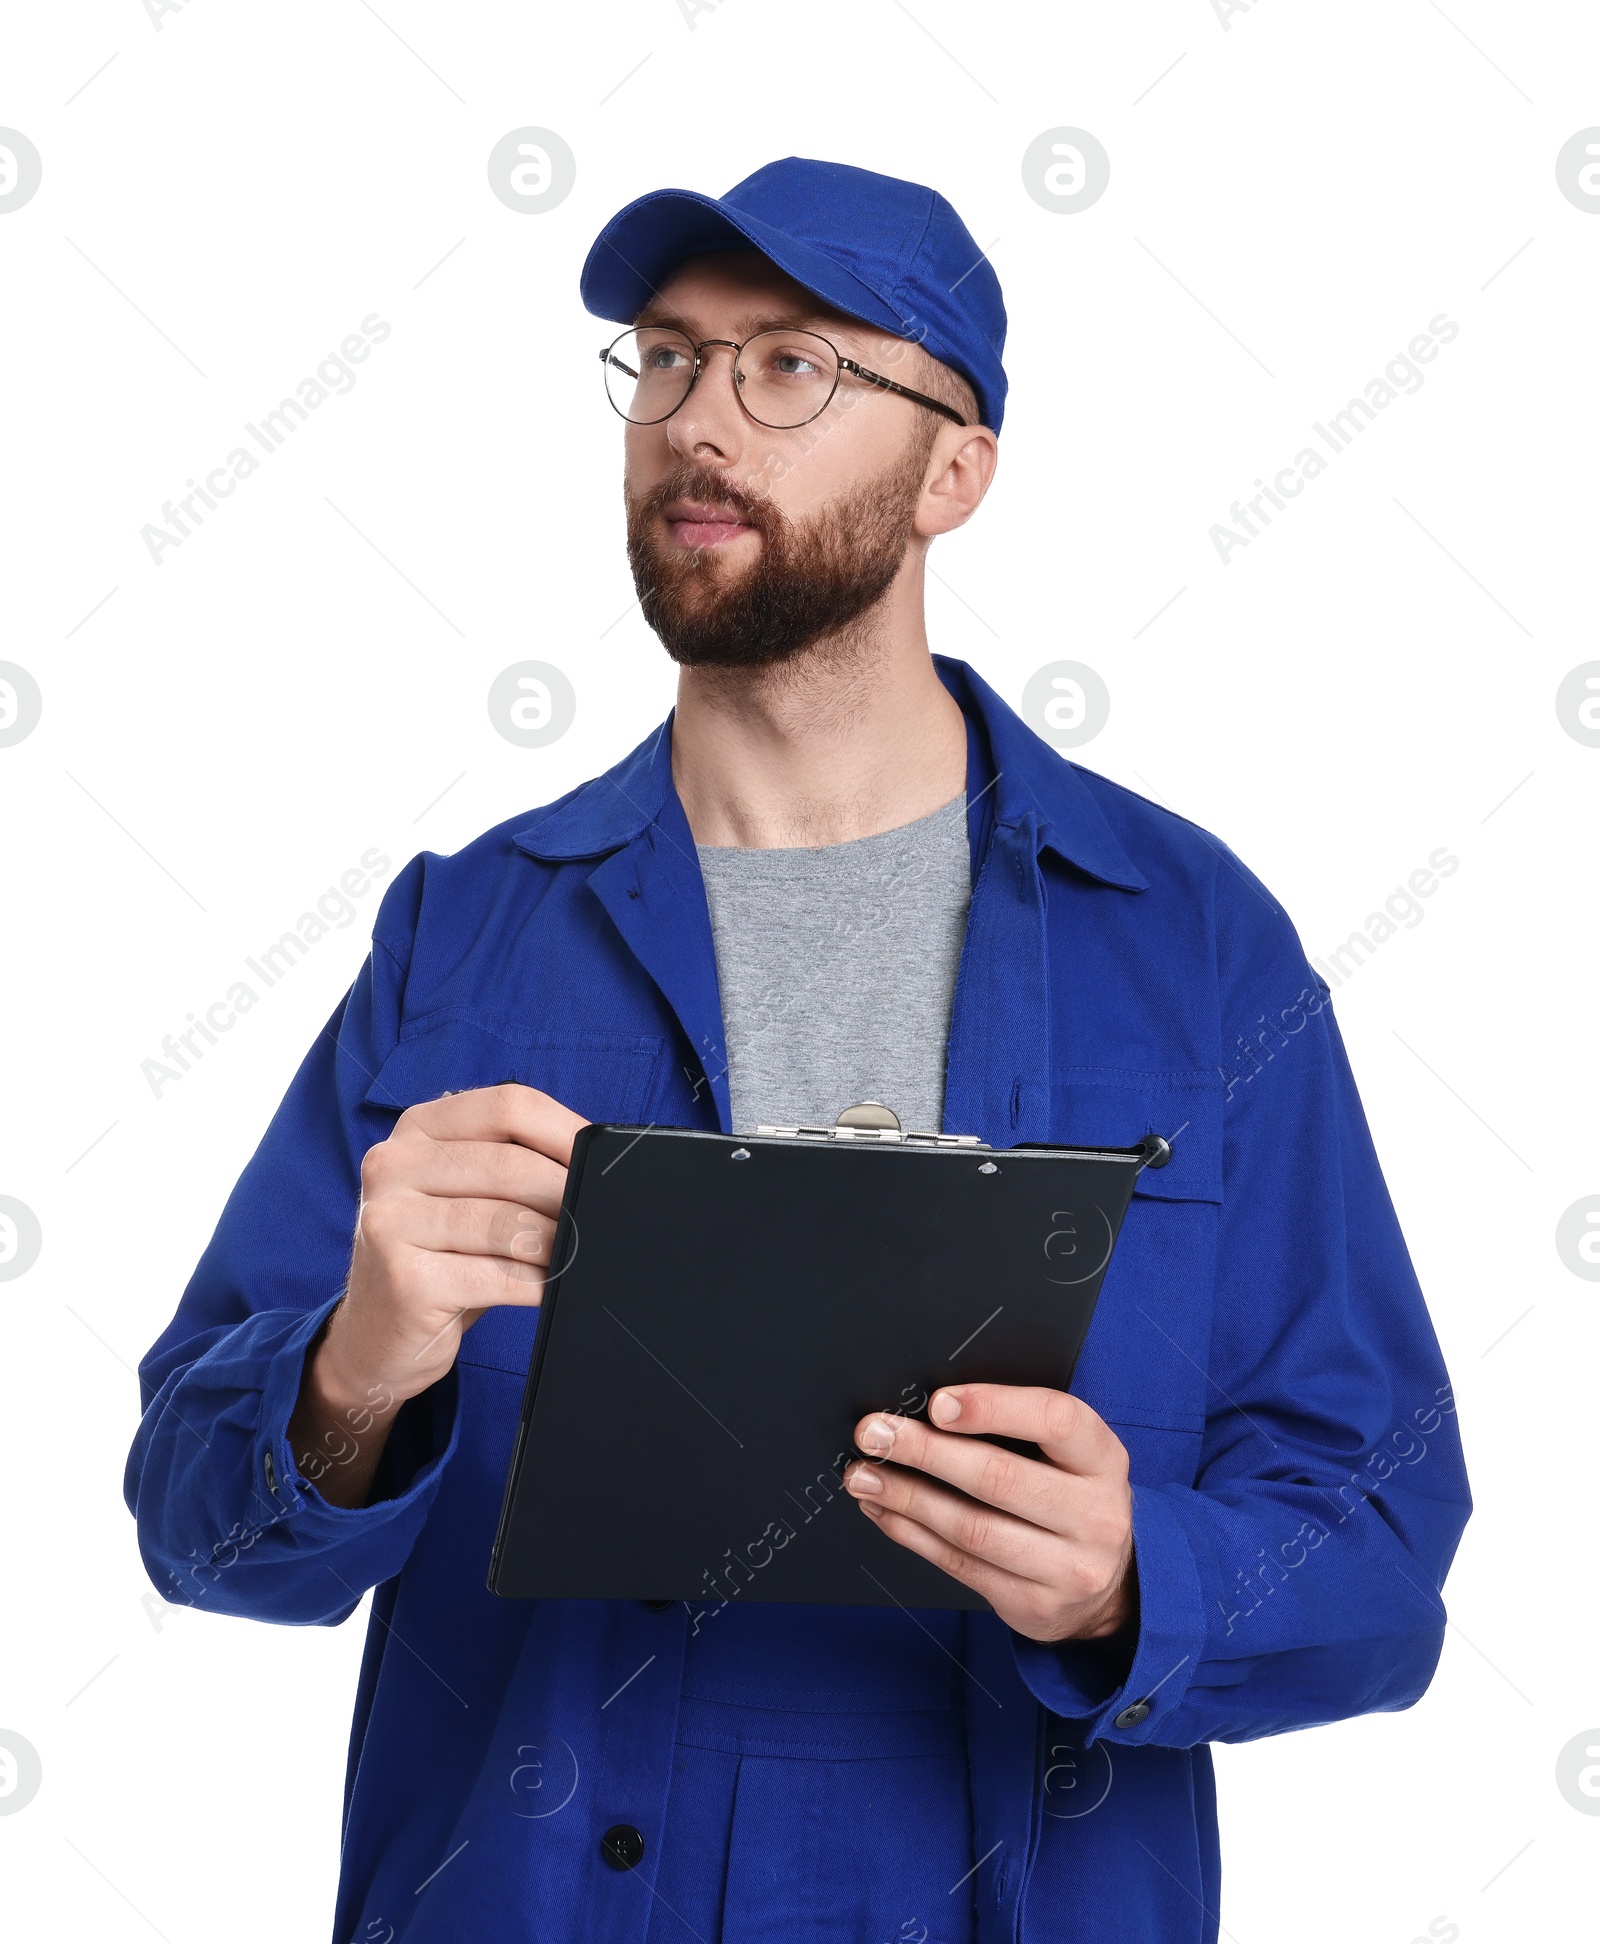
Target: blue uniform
{"type": "Point", "coordinates": [1261, 1348]}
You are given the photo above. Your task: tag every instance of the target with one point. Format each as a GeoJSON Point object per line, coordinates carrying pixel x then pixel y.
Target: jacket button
{"type": "Point", "coordinates": [659, 1606]}
{"type": "Point", "coordinates": [1131, 1717]}
{"type": "Point", "coordinates": [270, 1472]}
{"type": "Point", "coordinates": [622, 1846]}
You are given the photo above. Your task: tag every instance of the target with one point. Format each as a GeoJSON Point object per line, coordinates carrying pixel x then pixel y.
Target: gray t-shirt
{"type": "Point", "coordinates": [837, 967]}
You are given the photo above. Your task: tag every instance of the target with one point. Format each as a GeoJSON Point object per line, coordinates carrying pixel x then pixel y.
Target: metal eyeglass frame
{"type": "Point", "coordinates": [841, 363]}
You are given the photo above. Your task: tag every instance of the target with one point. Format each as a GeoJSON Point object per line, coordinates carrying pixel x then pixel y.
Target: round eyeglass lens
{"type": "Point", "coordinates": [648, 374]}
{"type": "Point", "coordinates": [786, 377]}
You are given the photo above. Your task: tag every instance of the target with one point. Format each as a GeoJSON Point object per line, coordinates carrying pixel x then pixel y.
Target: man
{"type": "Point", "coordinates": [841, 870]}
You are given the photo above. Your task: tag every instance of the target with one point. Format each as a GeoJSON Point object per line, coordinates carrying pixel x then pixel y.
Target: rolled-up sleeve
{"type": "Point", "coordinates": [225, 1520]}
{"type": "Point", "coordinates": [1297, 1579]}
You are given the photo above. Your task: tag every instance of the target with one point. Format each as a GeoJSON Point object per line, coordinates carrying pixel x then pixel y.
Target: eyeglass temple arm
{"type": "Point", "coordinates": [905, 391]}
{"type": "Point", "coordinates": [607, 359]}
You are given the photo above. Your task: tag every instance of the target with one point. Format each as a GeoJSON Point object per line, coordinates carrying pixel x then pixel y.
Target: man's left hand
{"type": "Point", "coordinates": [1049, 1546]}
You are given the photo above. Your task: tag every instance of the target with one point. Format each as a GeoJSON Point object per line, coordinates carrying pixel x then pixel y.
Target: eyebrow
{"type": "Point", "coordinates": [656, 317]}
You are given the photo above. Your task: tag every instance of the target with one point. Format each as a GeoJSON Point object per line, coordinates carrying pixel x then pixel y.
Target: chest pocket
{"type": "Point", "coordinates": [602, 1076]}
{"type": "Point", "coordinates": [1144, 1362]}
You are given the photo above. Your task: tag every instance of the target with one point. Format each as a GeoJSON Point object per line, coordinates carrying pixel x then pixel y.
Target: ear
{"type": "Point", "coordinates": [960, 467]}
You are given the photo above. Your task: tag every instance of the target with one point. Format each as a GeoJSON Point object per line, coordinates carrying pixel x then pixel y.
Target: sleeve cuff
{"type": "Point", "coordinates": [421, 1442]}
{"type": "Point", "coordinates": [1076, 1679]}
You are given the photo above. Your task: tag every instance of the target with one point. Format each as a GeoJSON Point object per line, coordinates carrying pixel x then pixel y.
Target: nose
{"type": "Point", "coordinates": [710, 425]}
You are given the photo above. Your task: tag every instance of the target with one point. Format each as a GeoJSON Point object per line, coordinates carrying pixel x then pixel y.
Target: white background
{"type": "Point", "coordinates": [1372, 678]}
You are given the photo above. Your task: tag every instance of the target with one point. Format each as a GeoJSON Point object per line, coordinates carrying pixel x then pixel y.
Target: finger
{"type": "Point", "coordinates": [510, 1112]}
{"type": "Point", "coordinates": [1066, 1430]}
{"type": "Point", "coordinates": [1043, 1494]}
{"type": "Point", "coordinates": [461, 1283]}
{"type": "Point", "coordinates": [983, 1531]}
{"type": "Point", "coordinates": [458, 1224]}
{"type": "Point", "coordinates": [1004, 1591]}
{"type": "Point", "coordinates": [496, 1170]}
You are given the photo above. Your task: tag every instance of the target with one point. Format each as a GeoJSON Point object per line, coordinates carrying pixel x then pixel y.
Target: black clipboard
{"type": "Point", "coordinates": [720, 1312]}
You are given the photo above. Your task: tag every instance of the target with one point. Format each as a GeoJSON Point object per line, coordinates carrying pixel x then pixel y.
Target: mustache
{"type": "Point", "coordinates": [691, 482]}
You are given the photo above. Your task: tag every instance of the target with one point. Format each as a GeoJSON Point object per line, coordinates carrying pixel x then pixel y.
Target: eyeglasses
{"type": "Point", "coordinates": [782, 378]}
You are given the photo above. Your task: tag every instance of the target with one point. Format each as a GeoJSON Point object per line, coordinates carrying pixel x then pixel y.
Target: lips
{"type": "Point", "coordinates": [704, 523]}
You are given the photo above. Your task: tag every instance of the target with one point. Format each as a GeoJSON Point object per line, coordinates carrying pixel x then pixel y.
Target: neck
{"type": "Point", "coordinates": [853, 735]}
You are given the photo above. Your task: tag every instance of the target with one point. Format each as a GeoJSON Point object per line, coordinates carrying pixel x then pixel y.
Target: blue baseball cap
{"type": "Point", "coordinates": [889, 252]}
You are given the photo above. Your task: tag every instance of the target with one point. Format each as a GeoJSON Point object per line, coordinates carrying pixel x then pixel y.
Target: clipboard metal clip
{"type": "Point", "coordinates": [870, 1120]}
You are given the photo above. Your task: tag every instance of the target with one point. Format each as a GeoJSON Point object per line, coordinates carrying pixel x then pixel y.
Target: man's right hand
{"type": "Point", "coordinates": [458, 1213]}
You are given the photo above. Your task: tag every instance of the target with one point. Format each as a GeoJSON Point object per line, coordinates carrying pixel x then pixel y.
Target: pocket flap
{"type": "Point", "coordinates": [602, 1076]}
{"type": "Point", "coordinates": [1114, 1107]}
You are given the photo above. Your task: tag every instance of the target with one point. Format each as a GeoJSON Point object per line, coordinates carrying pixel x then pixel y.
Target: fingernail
{"type": "Point", "coordinates": [877, 1438]}
{"type": "Point", "coordinates": [945, 1409]}
{"type": "Point", "coordinates": [872, 1511]}
{"type": "Point", "coordinates": [864, 1479]}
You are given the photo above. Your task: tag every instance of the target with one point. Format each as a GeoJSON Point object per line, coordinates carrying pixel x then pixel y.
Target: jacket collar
{"type": "Point", "coordinates": [1031, 783]}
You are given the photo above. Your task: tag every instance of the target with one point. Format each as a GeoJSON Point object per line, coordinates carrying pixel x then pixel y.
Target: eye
{"type": "Point", "coordinates": [788, 358]}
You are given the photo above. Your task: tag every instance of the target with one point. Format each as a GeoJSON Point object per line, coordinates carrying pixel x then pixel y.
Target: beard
{"type": "Point", "coordinates": [812, 581]}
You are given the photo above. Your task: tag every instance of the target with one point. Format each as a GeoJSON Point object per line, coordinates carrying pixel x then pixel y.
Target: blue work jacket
{"type": "Point", "coordinates": [1261, 1348]}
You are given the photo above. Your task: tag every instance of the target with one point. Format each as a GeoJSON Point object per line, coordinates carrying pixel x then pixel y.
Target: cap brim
{"type": "Point", "coordinates": [643, 244]}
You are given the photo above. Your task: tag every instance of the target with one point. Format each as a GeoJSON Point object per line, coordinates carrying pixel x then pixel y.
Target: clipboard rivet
{"type": "Point", "coordinates": [740, 1154]}
{"type": "Point", "coordinates": [987, 1167]}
